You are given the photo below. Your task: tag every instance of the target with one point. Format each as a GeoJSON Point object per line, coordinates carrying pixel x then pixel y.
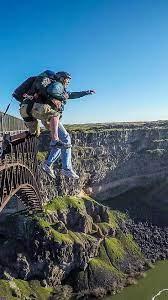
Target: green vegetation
{"type": "Point", "coordinates": [69, 237]}
{"type": "Point", "coordinates": [41, 155]}
{"type": "Point", "coordinates": [20, 289]}
{"type": "Point", "coordinates": [113, 219]}
{"type": "Point", "coordinates": [63, 203]}
{"type": "Point", "coordinates": [115, 250]}
{"type": "Point", "coordinates": [50, 232]}
{"type": "Point", "coordinates": [103, 263]}
{"type": "Point", "coordinates": [129, 244]}
{"type": "Point", "coordinates": [117, 126]}
{"type": "Point", "coordinates": [105, 227]}
{"type": "Point", "coordinates": [98, 263]}
{"type": "Point", "coordinates": [111, 251]}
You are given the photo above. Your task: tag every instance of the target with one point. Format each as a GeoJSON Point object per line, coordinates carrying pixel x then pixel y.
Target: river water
{"type": "Point", "coordinates": [147, 288]}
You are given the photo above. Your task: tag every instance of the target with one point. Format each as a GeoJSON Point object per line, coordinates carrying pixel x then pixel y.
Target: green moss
{"type": "Point", "coordinates": [112, 219]}
{"type": "Point", "coordinates": [51, 232]}
{"type": "Point", "coordinates": [23, 286]}
{"type": "Point", "coordinates": [61, 237]}
{"type": "Point", "coordinates": [118, 248]}
{"type": "Point", "coordinates": [41, 155]}
{"type": "Point", "coordinates": [41, 292]}
{"type": "Point", "coordinates": [105, 227]}
{"type": "Point", "coordinates": [24, 289]}
{"type": "Point", "coordinates": [88, 237]}
{"type": "Point", "coordinates": [63, 203]}
{"type": "Point", "coordinates": [86, 197]}
{"type": "Point", "coordinates": [99, 265]}
{"type": "Point", "coordinates": [5, 290]}
{"type": "Point", "coordinates": [76, 237]}
{"type": "Point", "coordinates": [43, 223]}
{"type": "Point", "coordinates": [120, 216]}
{"type": "Point", "coordinates": [115, 250]}
{"type": "Point", "coordinates": [103, 254]}
{"type": "Point", "coordinates": [129, 244]}
{"type": "Point", "coordinates": [97, 262]}
{"type": "Point", "coordinates": [69, 237]}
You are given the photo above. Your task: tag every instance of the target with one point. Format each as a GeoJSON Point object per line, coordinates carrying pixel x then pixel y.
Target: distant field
{"type": "Point", "coordinates": [115, 125]}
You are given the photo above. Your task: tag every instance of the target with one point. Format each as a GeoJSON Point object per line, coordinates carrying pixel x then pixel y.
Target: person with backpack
{"type": "Point", "coordinates": [58, 90]}
{"type": "Point", "coordinates": [45, 101]}
{"type": "Point", "coordinates": [33, 96]}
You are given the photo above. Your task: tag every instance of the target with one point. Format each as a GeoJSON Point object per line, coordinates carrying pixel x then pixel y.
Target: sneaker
{"type": "Point", "coordinates": [69, 173]}
{"type": "Point", "coordinates": [59, 144]}
{"type": "Point", "coordinates": [49, 170]}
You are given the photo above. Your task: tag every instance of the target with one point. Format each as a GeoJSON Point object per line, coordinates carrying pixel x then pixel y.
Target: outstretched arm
{"type": "Point", "coordinates": [75, 95]}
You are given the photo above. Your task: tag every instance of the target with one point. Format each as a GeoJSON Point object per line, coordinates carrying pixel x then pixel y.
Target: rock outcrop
{"type": "Point", "coordinates": [75, 242]}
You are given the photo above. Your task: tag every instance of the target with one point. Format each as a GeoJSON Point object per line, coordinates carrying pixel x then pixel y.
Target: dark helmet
{"type": "Point", "coordinates": [47, 73]}
{"type": "Point", "coordinates": [50, 74]}
{"type": "Point", "coordinates": [62, 74]}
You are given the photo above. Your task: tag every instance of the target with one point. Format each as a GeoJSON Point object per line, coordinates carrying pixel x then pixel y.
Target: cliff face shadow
{"type": "Point", "coordinates": [144, 204]}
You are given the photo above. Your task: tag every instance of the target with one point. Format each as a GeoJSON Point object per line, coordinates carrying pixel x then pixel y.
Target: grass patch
{"type": "Point", "coordinates": [63, 203]}
{"type": "Point", "coordinates": [81, 238]}
{"type": "Point", "coordinates": [115, 250]}
{"type": "Point", "coordinates": [24, 289]}
{"type": "Point", "coordinates": [113, 219]}
{"type": "Point", "coordinates": [129, 244]}
{"type": "Point", "coordinates": [99, 265]}
{"type": "Point", "coordinates": [105, 227]}
{"type": "Point", "coordinates": [51, 232]}
{"type": "Point", "coordinates": [61, 237]}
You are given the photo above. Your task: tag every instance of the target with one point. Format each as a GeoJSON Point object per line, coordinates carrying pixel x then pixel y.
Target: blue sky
{"type": "Point", "coordinates": [118, 47]}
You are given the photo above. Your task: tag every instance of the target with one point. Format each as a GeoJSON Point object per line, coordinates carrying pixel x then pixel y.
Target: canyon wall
{"type": "Point", "coordinates": [112, 159]}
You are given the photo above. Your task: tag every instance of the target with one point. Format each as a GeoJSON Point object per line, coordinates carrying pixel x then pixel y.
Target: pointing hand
{"type": "Point", "coordinates": [91, 92]}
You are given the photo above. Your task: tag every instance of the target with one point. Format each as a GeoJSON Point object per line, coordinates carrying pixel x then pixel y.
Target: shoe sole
{"type": "Point", "coordinates": [48, 173]}
{"type": "Point", "coordinates": [69, 176]}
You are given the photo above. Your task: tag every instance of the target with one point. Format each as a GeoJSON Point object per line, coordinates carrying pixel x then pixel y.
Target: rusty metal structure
{"type": "Point", "coordinates": [9, 123]}
{"type": "Point", "coordinates": [19, 171]}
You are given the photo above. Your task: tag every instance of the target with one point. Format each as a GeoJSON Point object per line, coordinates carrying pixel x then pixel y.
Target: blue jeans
{"type": "Point", "coordinates": [65, 153]}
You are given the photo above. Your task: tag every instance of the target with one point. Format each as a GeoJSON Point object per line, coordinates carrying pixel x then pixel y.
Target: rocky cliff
{"type": "Point", "coordinates": [78, 247]}
{"type": "Point", "coordinates": [113, 159]}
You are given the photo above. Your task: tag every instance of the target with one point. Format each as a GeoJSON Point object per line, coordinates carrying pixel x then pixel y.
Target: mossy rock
{"type": "Point", "coordinates": [115, 250]}
{"type": "Point", "coordinates": [21, 289]}
{"type": "Point", "coordinates": [107, 229]}
{"type": "Point", "coordinates": [130, 246]}
{"type": "Point", "coordinates": [70, 237]}
{"type": "Point", "coordinates": [63, 203]}
{"type": "Point", "coordinates": [50, 232]}
{"type": "Point", "coordinates": [104, 274]}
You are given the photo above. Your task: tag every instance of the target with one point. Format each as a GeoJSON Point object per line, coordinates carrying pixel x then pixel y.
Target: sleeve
{"type": "Point", "coordinates": [56, 90]}
{"type": "Point", "coordinates": [74, 95]}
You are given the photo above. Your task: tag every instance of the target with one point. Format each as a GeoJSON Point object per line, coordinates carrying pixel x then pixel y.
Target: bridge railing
{"type": "Point", "coordinates": [10, 123]}
{"type": "Point", "coordinates": [19, 170]}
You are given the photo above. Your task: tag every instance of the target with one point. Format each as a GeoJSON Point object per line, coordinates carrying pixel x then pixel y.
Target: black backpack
{"type": "Point", "coordinates": [24, 88]}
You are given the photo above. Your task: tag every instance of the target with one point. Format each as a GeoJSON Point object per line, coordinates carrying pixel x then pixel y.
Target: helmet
{"type": "Point", "coordinates": [63, 74]}
{"type": "Point", "coordinates": [48, 73]}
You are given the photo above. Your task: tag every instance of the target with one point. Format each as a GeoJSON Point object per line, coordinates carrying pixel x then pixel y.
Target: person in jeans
{"type": "Point", "coordinates": [58, 91]}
